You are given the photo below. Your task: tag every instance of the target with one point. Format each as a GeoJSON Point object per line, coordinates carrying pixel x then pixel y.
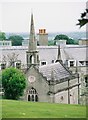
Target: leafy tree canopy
{"type": "Point", "coordinates": [13, 83]}
{"type": "Point", "coordinates": [65, 37]}
{"type": "Point", "coordinates": [2, 36]}
{"type": "Point", "coordinates": [61, 37]}
{"type": "Point", "coordinates": [16, 40]}
{"type": "Point", "coordinates": [84, 18]}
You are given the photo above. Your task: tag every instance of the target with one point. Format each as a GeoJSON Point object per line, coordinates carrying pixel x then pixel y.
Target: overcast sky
{"type": "Point", "coordinates": [54, 16]}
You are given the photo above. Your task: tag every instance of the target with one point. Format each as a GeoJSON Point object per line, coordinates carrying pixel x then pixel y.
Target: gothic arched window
{"type": "Point", "coordinates": [32, 95]}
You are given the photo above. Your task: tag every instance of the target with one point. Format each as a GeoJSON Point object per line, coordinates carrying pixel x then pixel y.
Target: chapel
{"type": "Point", "coordinates": [53, 82]}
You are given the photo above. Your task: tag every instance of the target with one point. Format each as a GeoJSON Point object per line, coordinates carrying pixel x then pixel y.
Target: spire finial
{"type": "Point", "coordinates": [31, 11]}
{"type": "Point", "coordinates": [32, 24]}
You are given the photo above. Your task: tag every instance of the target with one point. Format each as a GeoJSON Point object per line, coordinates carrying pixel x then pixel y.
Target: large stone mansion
{"type": "Point", "coordinates": [54, 73]}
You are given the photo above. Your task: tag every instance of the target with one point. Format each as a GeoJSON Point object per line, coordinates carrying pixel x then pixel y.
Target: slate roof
{"type": "Point", "coordinates": [55, 71]}
{"type": "Point", "coordinates": [76, 52]}
{"type": "Point", "coordinates": [49, 53]}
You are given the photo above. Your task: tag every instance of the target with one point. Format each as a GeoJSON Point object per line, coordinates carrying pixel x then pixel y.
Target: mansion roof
{"type": "Point", "coordinates": [49, 53]}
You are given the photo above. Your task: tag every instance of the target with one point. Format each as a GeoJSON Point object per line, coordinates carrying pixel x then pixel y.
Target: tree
{"type": "Point", "coordinates": [11, 58]}
{"type": "Point", "coordinates": [2, 36]}
{"type": "Point", "coordinates": [16, 40]}
{"type": "Point", "coordinates": [61, 37]}
{"type": "Point", "coordinates": [71, 41]}
{"type": "Point", "coordinates": [13, 83]}
{"type": "Point", "coordinates": [84, 18]}
{"type": "Point", "coordinates": [64, 37]}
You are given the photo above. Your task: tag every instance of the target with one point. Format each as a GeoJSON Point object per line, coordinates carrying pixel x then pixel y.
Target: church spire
{"type": "Point", "coordinates": [32, 53]}
{"type": "Point", "coordinates": [32, 31]}
{"type": "Point", "coordinates": [32, 39]}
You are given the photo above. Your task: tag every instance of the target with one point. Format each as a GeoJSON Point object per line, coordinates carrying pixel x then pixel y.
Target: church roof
{"type": "Point", "coordinates": [54, 71]}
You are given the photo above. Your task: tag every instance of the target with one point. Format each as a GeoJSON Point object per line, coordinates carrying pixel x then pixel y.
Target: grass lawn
{"type": "Point", "coordinates": [23, 109]}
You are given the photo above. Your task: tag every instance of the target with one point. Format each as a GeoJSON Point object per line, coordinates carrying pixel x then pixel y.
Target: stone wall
{"type": "Point", "coordinates": [39, 84]}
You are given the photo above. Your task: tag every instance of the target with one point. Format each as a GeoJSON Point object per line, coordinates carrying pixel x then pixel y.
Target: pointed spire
{"type": "Point", "coordinates": [59, 55]}
{"type": "Point", "coordinates": [32, 31]}
{"type": "Point", "coordinates": [32, 53]}
{"type": "Point", "coordinates": [32, 41]}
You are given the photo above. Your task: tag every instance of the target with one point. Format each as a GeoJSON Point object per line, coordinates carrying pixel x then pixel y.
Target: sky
{"type": "Point", "coordinates": [54, 16]}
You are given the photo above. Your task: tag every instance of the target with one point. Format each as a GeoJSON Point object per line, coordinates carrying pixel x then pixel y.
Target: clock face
{"type": "Point", "coordinates": [31, 79]}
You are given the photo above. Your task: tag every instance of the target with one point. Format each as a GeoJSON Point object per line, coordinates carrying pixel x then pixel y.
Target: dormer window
{"type": "Point", "coordinates": [53, 61]}
{"type": "Point", "coordinates": [18, 64]}
{"type": "Point", "coordinates": [43, 62]}
{"type": "Point", "coordinates": [3, 66]}
{"type": "Point", "coordinates": [86, 63]}
{"type": "Point", "coordinates": [82, 62]}
{"type": "Point", "coordinates": [71, 63]}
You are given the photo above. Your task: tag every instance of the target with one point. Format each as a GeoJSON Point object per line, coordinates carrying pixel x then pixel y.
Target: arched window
{"type": "Point", "coordinates": [32, 91]}
{"type": "Point", "coordinates": [32, 95]}
{"type": "Point", "coordinates": [28, 97]}
{"type": "Point", "coordinates": [36, 98]}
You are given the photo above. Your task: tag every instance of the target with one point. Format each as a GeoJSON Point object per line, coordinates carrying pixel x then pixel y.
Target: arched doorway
{"type": "Point", "coordinates": [32, 95]}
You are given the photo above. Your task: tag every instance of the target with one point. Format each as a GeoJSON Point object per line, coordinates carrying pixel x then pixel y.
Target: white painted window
{"type": "Point", "coordinates": [18, 64]}
{"type": "Point", "coordinates": [5, 43]}
{"type": "Point", "coordinates": [53, 61]}
{"type": "Point", "coordinates": [2, 66]}
{"type": "Point", "coordinates": [86, 63]}
{"type": "Point", "coordinates": [82, 63]}
{"type": "Point", "coordinates": [71, 63]}
{"type": "Point", "coordinates": [43, 63]}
